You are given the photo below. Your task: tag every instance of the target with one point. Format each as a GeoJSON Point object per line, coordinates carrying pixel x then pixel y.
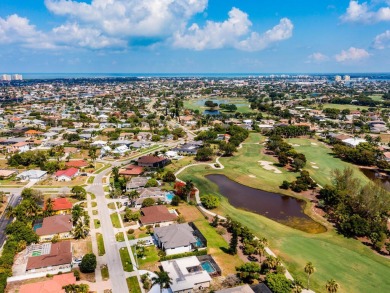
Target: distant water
{"type": "Point", "coordinates": [370, 76]}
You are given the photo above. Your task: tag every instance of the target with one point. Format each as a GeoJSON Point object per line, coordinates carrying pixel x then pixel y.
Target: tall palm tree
{"type": "Point", "coordinates": [332, 286]}
{"type": "Point", "coordinates": [162, 279]}
{"type": "Point", "coordinates": [309, 269]}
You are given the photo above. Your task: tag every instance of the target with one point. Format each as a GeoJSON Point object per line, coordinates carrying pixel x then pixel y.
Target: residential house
{"type": "Point", "coordinates": [152, 161]}
{"type": "Point", "coordinates": [32, 175]}
{"type": "Point", "coordinates": [67, 175]}
{"type": "Point", "coordinates": [154, 193]}
{"type": "Point", "coordinates": [77, 164]}
{"type": "Point", "coordinates": [121, 150]}
{"type": "Point", "coordinates": [187, 274]}
{"type": "Point", "coordinates": [158, 214]}
{"type": "Point", "coordinates": [178, 238]}
{"type": "Point", "coordinates": [135, 183]}
{"type": "Point", "coordinates": [354, 141]}
{"type": "Point", "coordinates": [52, 285]}
{"type": "Point", "coordinates": [60, 225]}
{"type": "Point", "coordinates": [5, 174]}
{"type": "Point", "coordinates": [32, 133]}
{"type": "Point", "coordinates": [131, 170]}
{"type": "Point", "coordinates": [61, 206]}
{"type": "Point", "coordinates": [54, 256]}
{"type": "Point", "coordinates": [18, 147]}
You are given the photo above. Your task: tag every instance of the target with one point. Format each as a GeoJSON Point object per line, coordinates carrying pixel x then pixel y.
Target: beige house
{"type": "Point", "coordinates": [60, 225]}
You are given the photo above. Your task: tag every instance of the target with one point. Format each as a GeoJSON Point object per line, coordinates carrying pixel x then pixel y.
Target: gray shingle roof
{"type": "Point", "coordinates": [175, 235]}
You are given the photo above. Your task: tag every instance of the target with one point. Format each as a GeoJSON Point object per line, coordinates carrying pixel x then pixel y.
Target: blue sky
{"type": "Point", "coordinates": [182, 36]}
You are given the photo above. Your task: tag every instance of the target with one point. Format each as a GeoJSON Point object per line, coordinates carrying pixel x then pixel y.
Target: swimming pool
{"type": "Point", "coordinates": [208, 267]}
{"type": "Point", "coordinates": [199, 242]}
{"type": "Point", "coordinates": [169, 196]}
{"type": "Point", "coordinates": [36, 226]}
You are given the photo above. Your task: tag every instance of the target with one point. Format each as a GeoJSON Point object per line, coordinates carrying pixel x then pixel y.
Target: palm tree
{"type": "Point", "coordinates": [49, 208]}
{"type": "Point", "coordinates": [77, 213]}
{"type": "Point", "coordinates": [332, 286]}
{"type": "Point", "coordinates": [162, 279]}
{"type": "Point", "coordinates": [309, 269]}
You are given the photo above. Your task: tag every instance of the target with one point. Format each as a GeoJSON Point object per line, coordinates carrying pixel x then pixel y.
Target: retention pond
{"type": "Point", "coordinates": [281, 208]}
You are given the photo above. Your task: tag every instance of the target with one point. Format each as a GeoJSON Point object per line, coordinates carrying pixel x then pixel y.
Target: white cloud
{"type": "Point", "coordinates": [153, 18]}
{"type": "Point", "coordinates": [232, 32]}
{"type": "Point", "coordinates": [363, 13]}
{"type": "Point", "coordinates": [352, 54]}
{"type": "Point", "coordinates": [317, 57]}
{"type": "Point", "coordinates": [16, 29]}
{"type": "Point", "coordinates": [382, 41]}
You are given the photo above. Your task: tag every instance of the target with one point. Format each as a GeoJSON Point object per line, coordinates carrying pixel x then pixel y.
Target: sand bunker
{"type": "Point", "coordinates": [252, 176]}
{"type": "Point", "coordinates": [295, 145]}
{"type": "Point", "coordinates": [269, 166]}
{"type": "Point", "coordinates": [315, 167]}
{"type": "Point", "coordinates": [313, 163]}
{"type": "Point", "coordinates": [313, 143]}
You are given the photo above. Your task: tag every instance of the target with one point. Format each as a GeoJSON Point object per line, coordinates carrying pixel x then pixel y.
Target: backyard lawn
{"type": "Point", "coordinates": [353, 265]}
{"type": "Point", "coordinates": [150, 260]}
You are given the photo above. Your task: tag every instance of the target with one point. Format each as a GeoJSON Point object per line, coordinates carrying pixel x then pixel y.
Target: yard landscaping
{"type": "Point", "coordinates": [105, 272]}
{"type": "Point", "coordinates": [150, 260]}
{"type": "Point", "coordinates": [100, 243]}
{"type": "Point", "coordinates": [133, 285]}
{"type": "Point", "coordinates": [353, 265]}
{"type": "Point", "coordinates": [120, 237]}
{"type": "Point", "coordinates": [125, 258]}
{"type": "Point", "coordinates": [216, 244]}
{"type": "Point", "coordinates": [96, 223]}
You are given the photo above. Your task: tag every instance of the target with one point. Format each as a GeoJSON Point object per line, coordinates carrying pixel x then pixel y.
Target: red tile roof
{"type": "Point", "coordinates": [60, 254]}
{"type": "Point", "coordinates": [77, 164]}
{"type": "Point", "coordinates": [132, 170]}
{"type": "Point", "coordinates": [55, 224]}
{"type": "Point", "coordinates": [150, 159]}
{"type": "Point", "coordinates": [156, 214]}
{"type": "Point", "coordinates": [68, 172]}
{"type": "Point", "coordinates": [60, 204]}
{"type": "Point", "coordinates": [53, 285]}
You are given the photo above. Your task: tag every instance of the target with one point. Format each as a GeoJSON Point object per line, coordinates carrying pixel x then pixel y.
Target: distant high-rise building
{"type": "Point", "coordinates": [17, 77]}
{"type": "Point", "coordinates": [347, 78]}
{"type": "Point", "coordinates": [6, 77]}
{"type": "Point", "coordinates": [337, 78]}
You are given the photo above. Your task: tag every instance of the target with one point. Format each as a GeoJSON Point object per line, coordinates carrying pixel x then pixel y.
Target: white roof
{"type": "Point", "coordinates": [32, 173]}
{"type": "Point", "coordinates": [353, 141]}
{"type": "Point", "coordinates": [182, 279]}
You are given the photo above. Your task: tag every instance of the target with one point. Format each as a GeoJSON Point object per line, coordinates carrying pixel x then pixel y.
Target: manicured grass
{"type": "Point", "coordinates": [198, 104]}
{"type": "Point", "coordinates": [353, 265]}
{"type": "Point", "coordinates": [102, 169]}
{"type": "Point", "coordinates": [96, 223]}
{"type": "Point", "coordinates": [90, 179]}
{"type": "Point", "coordinates": [216, 244]}
{"type": "Point", "coordinates": [100, 243]}
{"type": "Point", "coordinates": [115, 220]}
{"type": "Point", "coordinates": [106, 189]}
{"type": "Point", "coordinates": [318, 153]}
{"type": "Point", "coordinates": [112, 206]}
{"type": "Point", "coordinates": [105, 272]}
{"type": "Point", "coordinates": [342, 107]}
{"type": "Point", "coordinates": [93, 196]}
{"type": "Point", "coordinates": [94, 204]}
{"type": "Point", "coordinates": [132, 283]}
{"type": "Point", "coordinates": [95, 212]}
{"type": "Point", "coordinates": [125, 258]}
{"type": "Point", "coordinates": [150, 259]}
{"type": "Point", "coordinates": [120, 237]}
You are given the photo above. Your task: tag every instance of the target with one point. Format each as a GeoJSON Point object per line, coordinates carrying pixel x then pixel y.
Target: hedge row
{"type": "Point", "coordinates": [180, 255]}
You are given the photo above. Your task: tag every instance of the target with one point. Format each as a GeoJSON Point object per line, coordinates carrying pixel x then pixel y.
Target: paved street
{"type": "Point", "coordinates": [14, 201]}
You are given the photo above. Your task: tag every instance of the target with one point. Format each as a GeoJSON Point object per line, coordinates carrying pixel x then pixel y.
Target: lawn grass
{"type": "Point", "coordinates": [353, 265]}
{"type": "Point", "coordinates": [216, 244]}
{"type": "Point", "coordinates": [115, 220]}
{"type": "Point", "coordinates": [132, 283]}
{"type": "Point", "coordinates": [95, 212]}
{"type": "Point", "coordinates": [102, 169]}
{"type": "Point", "coordinates": [105, 272]}
{"type": "Point", "coordinates": [318, 153]}
{"type": "Point", "coordinates": [112, 206]}
{"type": "Point", "coordinates": [96, 223]}
{"type": "Point", "coordinates": [125, 258]}
{"type": "Point", "coordinates": [100, 243]}
{"type": "Point", "coordinates": [342, 107]}
{"type": "Point", "coordinates": [198, 104]}
{"type": "Point", "coordinates": [90, 179]}
{"type": "Point", "coordinates": [106, 189]}
{"type": "Point", "coordinates": [94, 204]}
{"type": "Point", "coordinates": [120, 237]}
{"type": "Point", "coordinates": [150, 259]}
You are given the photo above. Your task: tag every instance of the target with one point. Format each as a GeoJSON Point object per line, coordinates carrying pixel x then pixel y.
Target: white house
{"type": "Point", "coordinates": [121, 150]}
{"type": "Point", "coordinates": [186, 274]}
{"type": "Point", "coordinates": [32, 175]}
{"type": "Point", "coordinates": [354, 141]}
